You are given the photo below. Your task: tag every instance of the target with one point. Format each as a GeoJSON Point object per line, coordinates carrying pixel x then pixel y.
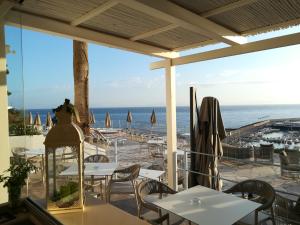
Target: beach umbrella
{"type": "Point", "coordinates": [92, 118]}
{"type": "Point", "coordinates": [153, 118]}
{"type": "Point", "coordinates": [37, 120]}
{"type": "Point", "coordinates": [209, 132]}
{"type": "Point", "coordinates": [29, 119]}
{"type": "Point", "coordinates": [49, 121]}
{"type": "Point", "coordinates": [107, 121]}
{"type": "Point", "coordinates": [129, 118]}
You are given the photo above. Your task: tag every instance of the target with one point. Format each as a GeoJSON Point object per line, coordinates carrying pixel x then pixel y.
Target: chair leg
{"type": "Point", "coordinates": [272, 216]}
{"type": "Point", "coordinates": [101, 192]}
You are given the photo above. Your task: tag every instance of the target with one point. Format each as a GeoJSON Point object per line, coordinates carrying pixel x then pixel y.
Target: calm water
{"type": "Point", "coordinates": [233, 116]}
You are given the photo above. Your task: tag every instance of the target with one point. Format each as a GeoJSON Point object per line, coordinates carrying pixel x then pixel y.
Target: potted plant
{"type": "Point", "coordinates": [14, 178]}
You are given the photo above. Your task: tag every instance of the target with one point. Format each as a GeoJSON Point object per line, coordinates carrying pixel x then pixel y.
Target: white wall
{"type": "Point", "coordinates": [4, 143]}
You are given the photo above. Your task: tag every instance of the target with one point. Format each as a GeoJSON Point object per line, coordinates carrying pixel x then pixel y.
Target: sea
{"type": "Point", "coordinates": [233, 116]}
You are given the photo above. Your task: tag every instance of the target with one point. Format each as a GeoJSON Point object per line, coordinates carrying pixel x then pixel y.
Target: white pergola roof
{"type": "Point", "coordinates": [159, 27]}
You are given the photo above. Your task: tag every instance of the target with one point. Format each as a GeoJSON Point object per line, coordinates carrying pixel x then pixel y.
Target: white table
{"type": "Point", "coordinates": [157, 142]}
{"type": "Point", "coordinates": [91, 169]}
{"type": "Point", "coordinates": [151, 174]}
{"type": "Point", "coordinates": [216, 207]}
{"type": "Point", "coordinates": [34, 152]}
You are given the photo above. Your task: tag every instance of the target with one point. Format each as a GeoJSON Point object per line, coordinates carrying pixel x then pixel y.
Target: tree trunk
{"type": "Point", "coordinates": [81, 83]}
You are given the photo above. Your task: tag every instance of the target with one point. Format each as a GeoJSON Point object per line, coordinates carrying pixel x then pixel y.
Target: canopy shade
{"type": "Point", "coordinates": [209, 132]}
{"type": "Point", "coordinates": [159, 26]}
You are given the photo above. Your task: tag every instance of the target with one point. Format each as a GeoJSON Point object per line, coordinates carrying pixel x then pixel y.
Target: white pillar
{"type": "Point", "coordinates": [171, 125]}
{"type": "Point", "coordinates": [4, 139]}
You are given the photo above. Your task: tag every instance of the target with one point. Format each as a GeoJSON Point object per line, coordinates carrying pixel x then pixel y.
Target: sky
{"type": "Point", "coordinates": [41, 75]}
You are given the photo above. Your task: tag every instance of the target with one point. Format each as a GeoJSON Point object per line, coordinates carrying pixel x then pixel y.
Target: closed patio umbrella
{"type": "Point", "coordinates": [37, 120]}
{"type": "Point", "coordinates": [49, 123]}
{"type": "Point", "coordinates": [107, 120]}
{"type": "Point", "coordinates": [92, 118]}
{"type": "Point", "coordinates": [129, 118]}
{"type": "Point", "coordinates": [208, 135]}
{"type": "Point", "coordinates": [29, 119]}
{"type": "Point", "coordinates": [153, 118]}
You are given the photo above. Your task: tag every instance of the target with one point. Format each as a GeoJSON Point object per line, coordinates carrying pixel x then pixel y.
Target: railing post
{"type": "Point", "coordinates": [171, 124]}
{"type": "Point", "coordinates": [186, 172]}
{"type": "Point", "coordinates": [116, 150]}
{"type": "Point", "coordinates": [4, 135]}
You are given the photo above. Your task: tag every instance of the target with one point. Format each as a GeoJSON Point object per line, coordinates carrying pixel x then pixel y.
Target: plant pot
{"type": "Point", "coordinates": [14, 196]}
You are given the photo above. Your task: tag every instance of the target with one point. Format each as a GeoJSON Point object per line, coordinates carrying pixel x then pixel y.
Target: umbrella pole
{"type": "Point", "coordinates": [193, 181]}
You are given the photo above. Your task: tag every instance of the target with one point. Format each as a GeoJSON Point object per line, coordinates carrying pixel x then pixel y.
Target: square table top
{"type": "Point", "coordinates": [215, 207]}
{"type": "Point", "coordinates": [151, 174]}
{"type": "Point", "coordinates": [96, 212]}
{"type": "Point", "coordinates": [92, 169]}
{"type": "Point", "coordinates": [35, 152]}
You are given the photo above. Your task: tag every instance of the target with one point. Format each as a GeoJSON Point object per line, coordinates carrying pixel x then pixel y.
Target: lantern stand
{"type": "Point", "coordinates": [64, 145]}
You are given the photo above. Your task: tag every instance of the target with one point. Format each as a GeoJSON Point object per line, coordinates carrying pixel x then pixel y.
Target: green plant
{"type": "Point", "coordinates": [20, 129]}
{"type": "Point", "coordinates": [15, 177]}
{"type": "Point", "coordinates": [65, 190]}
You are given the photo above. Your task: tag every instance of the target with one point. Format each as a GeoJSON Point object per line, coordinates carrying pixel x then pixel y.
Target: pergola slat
{"type": "Point", "coordinates": [173, 13]}
{"type": "Point", "coordinates": [63, 29]}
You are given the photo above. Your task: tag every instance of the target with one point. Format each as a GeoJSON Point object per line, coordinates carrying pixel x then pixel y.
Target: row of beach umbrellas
{"type": "Point", "coordinates": [49, 123]}
{"type": "Point", "coordinates": [37, 120]}
{"type": "Point", "coordinates": [129, 119]}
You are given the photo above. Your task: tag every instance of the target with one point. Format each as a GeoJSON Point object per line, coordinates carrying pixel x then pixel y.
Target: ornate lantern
{"type": "Point", "coordinates": [64, 162]}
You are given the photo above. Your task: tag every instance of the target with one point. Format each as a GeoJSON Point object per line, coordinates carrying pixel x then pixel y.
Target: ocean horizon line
{"type": "Point", "coordinates": [180, 106]}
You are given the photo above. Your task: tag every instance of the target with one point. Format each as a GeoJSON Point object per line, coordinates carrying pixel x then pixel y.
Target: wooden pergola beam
{"type": "Point", "coordinates": [94, 12]}
{"type": "Point", "coordinates": [5, 6]}
{"type": "Point", "coordinates": [154, 32]}
{"type": "Point", "coordinates": [175, 14]}
{"type": "Point", "coordinates": [277, 42]}
{"type": "Point", "coordinates": [59, 28]}
{"type": "Point", "coordinates": [228, 7]}
{"type": "Point", "coordinates": [195, 45]}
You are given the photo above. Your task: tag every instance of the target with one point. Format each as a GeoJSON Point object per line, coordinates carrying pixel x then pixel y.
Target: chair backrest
{"type": "Point", "coordinates": [155, 167]}
{"type": "Point", "coordinates": [265, 151]}
{"type": "Point", "coordinates": [255, 190]}
{"type": "Point", "coordinates": [97, 158]}
{"type": "Point", "coordinates": [293, 157]}
{"type": "Point", "coordinates": [287, 208]}
{"type": "Point", "coordinates": [149, 187]}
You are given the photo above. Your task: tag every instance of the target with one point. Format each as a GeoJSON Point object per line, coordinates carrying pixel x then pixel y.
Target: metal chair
{"type": "Point", "coordinates": [91, 184]}
{"type": "Point", "coordinates": [258, 191]}
{"type": "Point", "coordinates": [123, 181]}
{"type": "Point", "coordinates": [156, 189]}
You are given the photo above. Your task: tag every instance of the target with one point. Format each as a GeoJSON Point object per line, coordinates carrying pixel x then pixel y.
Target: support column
{"type": "Point", "coordinates": [4, 135]}
{"type": "Point", "coordinates": [171, 124]}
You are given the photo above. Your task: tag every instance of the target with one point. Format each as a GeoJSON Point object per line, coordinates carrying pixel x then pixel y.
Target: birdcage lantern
{"type": "Point", "coordinates": [64, 162]}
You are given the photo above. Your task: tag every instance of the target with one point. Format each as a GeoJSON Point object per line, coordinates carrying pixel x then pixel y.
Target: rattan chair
{"type": "Point", "coordinates": [258, 191]}
{"type": "Point", "coordinates": [96, 181]}
{"type": "Point", "coordinates": [154, 189]}
{"type": "Point", "coordinates": [290, 164]}
{"type": "Point", "coordinates": [287, 210]}
{"type": "Point", "coordinates": [123, 181]}
{"type": "Point", "coordinates": [157, 167]}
